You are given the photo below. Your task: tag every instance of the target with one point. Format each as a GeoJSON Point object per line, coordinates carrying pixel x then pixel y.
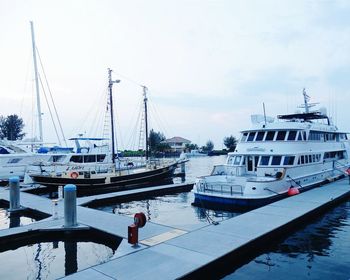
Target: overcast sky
{"type": "Point", "coordinates": [208, 65]}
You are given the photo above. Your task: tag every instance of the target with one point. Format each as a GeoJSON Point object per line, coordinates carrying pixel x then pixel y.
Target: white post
{"type": "Point", "coordinates": [14, 194]}
{"type": "Point", "coordinates": [70, 206]}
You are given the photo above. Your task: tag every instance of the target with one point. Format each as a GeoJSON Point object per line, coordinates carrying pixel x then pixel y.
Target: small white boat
{"type": "Point", "coordinates": [195, 153]}
{"type": "Point", "coordinates": [292, 154]}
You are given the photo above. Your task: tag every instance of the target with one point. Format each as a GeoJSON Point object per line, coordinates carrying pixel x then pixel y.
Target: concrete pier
{"type": "Point", "coordinates": [168, 253]}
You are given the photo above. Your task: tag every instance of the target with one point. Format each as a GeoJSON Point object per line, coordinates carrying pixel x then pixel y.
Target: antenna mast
{"type": "Point", "coordinates": [110, 85]}
{"type": "Point", "coordinates": [40, 120]}
{"type": "Point", "coordinates": [306, 104]}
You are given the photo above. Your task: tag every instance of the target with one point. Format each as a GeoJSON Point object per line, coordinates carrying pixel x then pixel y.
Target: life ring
{"type": "Point", "coordinates": [74, 175]}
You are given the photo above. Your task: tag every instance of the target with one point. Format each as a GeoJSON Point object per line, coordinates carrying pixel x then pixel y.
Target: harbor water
{"type": "Point", "coordinates": [318, 249]}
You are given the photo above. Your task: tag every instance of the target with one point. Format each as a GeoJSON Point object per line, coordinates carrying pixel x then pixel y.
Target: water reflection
{"type": "Point", "coordinates": [319, 250]}
{"type": "Point", "coordinates": [52, 260]}
{"type": "Point", "coordinates": [171, 210]}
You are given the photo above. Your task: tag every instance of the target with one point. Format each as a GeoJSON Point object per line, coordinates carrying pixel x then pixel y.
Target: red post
{"type": "Point", "coordinates": [133, 234]}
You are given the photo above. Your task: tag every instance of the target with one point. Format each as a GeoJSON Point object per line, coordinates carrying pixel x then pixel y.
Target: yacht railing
{"type": "Point", "coordinates": [222, 188]}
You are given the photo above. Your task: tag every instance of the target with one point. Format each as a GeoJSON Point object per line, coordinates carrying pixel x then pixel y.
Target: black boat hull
{"type": "Point", "coordinates": [118, 182]}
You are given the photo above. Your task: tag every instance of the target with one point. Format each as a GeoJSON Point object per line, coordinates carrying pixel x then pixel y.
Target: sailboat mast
{"type": "Point", "coordinates": [110, 85]}
{"type": "Point", "coordinates": [146, 120]}
{"type": "Point", "coordinates": [40, 120]}
{"type": "Point", "coordinates": [306, 105]}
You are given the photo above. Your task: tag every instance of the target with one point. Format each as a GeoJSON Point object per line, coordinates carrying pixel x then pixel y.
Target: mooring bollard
{"type": "Point", "coordinates": [60, 193]}
{"type": "Point", "coordinates": [14, 194]}
{"type": "Point", "coordinates": [70, 206]}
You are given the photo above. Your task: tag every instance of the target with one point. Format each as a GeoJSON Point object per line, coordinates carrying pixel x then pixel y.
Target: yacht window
{"type": "Point", "coordinates": [310, 158]}
{"type": "Point", "coordinates": [270, 135]}
{"type": "Point", "coordinates": [288, 160]}
{"type": "Point", "coordinates": [76, 159]}
{"type": "Point", "coordinates": [302, 160]}
{"type": "Point", "coordinates": [300, 138]}
{"type": "Point", "coordinates": [251, 136]}
{"type": "Point", "coordinates": [299, 161]}
{"type": "Point", "coordinates": [306, 159]}
{"type": "Point", "coordinates": [90, 158]}
{"type": "Point", "coordinates": [314, 158]}
{"type": "Point", "coordinates": [14, 160]}
{"type": "Point", "coordinates": [318, 157]}
{"type": "Point", "coordinates": [244, 136]}
{"type": "Point", "coordinates": [100, 158]}
{"type": "Point", "coordinates": [260, 136]}
{"type": "Point", "coordinates": [230, 160]}
{"type": "Point", "coordinates": [304, 135]}
{"type": "Point", "coordinates": [264, 160]}
{"type": "Point", "coordinates": [56, 158]}
{"type": "Point", "coordinates": [237, 160]}
{"type": "Point", "coordinates": [281, 135]}
{"type": "Point", "coordinates": [276, 160]}
{"type": "Point", "coordinates": [291, 135]}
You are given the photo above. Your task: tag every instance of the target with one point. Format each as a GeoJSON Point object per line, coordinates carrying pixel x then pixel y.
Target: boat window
{"type": "Point", "coordinates": [260, 136]}
{"type": "Point", "coordinates": [291, 136]}
{"type": "Point", "coordinates": [90, 158]}
{"type": "Point", "coordinates": [264, 160]}
{"type": "Point", "coordinates": [56, 158]}
{"type": "Point", "coordinates": [302, 161]}
{"type": "Point", "coordinates": [306, 159]}
{"type": "Point", "coordinates": [244, 136]}
{"type": "Point", "coordinates": [276, 160]}
{"type": "Point", "coordinates": [230, 160]}
{"type": "Point", "coordinates": [288, 160]}
{"type": "Point", "coordinates": [281, 135]}
{"type": "Point", "coordinates": [251, 136]}
{"type": "Point", "coordinates": [314, 158]}
{"type": "Point", "coordinates": [237, 160]}
{"type": "Point", "coordinates": [318, 157]}
{"type": "Point", "coordinates": [14, 160]}
{"type": "Point", "coordinates": [3, 151]}
{"type": "Point", "coordinates": [270, 135]}
{"type": "Point", "coordinates": [310, 158]}
{"type": "Point", "coordinates": [300, 138]}
{"type": "Point", "coordinates": [100, 158]}
{"type": "Point", "coordinates": [76, 159]}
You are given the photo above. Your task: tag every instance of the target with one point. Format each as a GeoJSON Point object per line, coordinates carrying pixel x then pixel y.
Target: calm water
{"type": "Point", "coordinates": [318, 250]}
{"type": "Point", "coordinates": [51, 260]}
{"type": "Point", "coordinates": [176, 209]}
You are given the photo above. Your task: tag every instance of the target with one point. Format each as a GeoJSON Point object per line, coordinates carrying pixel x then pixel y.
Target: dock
{"type": "Point", "coordinates": [166, 252]}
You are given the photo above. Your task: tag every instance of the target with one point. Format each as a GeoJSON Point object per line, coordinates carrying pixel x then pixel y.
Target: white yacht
{"type": "Point", "coordinates": [276, 158]}
{"type": "Point", "coordinates": [14, 159]}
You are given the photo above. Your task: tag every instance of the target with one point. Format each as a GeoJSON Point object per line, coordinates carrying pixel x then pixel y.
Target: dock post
{"type": "Point", "coordinates": [60, 193]}
{"type": "Point", "coordinates": [14, 194]}
{"type": "Point", "coordinates": [70, 205]}
{"type": "Point", "coordinates": [183, 168]}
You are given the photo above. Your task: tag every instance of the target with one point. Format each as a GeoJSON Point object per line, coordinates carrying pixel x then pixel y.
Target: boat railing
{"type": "Point", "coordinates": [222, 188]}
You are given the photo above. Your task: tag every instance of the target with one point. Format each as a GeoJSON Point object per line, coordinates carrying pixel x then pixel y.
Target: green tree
{"type": "Point", "coordinates": [156, 143]}
{"type": "Point", "coordinates": [190, 147]}
{"type": "Point", "coordinates": [209, 146]}
{"type": "Point", "coordinates": [230, 142]}
{"type": "Point", "coordinates": [11, 127]}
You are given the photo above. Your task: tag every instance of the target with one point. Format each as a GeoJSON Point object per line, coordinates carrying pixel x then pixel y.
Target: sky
{"type": "Point", "coordinates": [208, 65]}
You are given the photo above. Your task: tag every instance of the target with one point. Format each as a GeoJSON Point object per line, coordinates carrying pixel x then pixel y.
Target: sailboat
{"type": "Point", "coordinates": [118, 175]}
{"type": "Point", "coordinates": [16, 156]}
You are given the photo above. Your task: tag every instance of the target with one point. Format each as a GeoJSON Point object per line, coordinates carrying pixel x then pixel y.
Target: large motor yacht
{"type": "Point", "coordinates": [276, 158]}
